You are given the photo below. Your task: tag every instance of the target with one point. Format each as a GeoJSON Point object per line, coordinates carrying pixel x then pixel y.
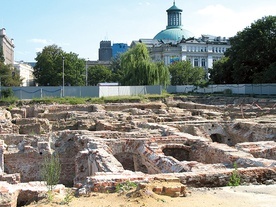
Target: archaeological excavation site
{"type": "Point", "coordinates": [195, 140]}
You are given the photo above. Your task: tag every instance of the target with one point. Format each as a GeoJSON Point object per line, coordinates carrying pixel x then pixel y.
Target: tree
{"type": "Point", "coordinates": [9, 76]}
{"type": "Point", "coordinates": [138, 69]}
{"type": "Point", "coordinates": [252, 54]}
{"type": "Point", "coordinates": [49, 67]}
{"type": "Point", "coordinates": [184, 73]}
{"type": "Point", "coordinates": [116, 69]}
{"type": "Point", "coordinates": [221, 72]}
{"type": "Point", "coordinates": [98, 74]}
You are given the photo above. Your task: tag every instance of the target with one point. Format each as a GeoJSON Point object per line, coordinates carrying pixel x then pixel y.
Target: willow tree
{"type": "Point", "coordinates": [140, 70]}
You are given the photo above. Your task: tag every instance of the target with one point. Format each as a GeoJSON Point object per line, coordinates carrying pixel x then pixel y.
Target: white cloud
{"type": "Point", "coordinates": [222, 21]}
{"type": "Point", "coordinates": [215, 10]}
{"type": "Point", "coordinates": [144, 3]}
{"type": "Point", "coordinates": [39, 41]}
{"type": "Point", "coordinates": [38, 49]}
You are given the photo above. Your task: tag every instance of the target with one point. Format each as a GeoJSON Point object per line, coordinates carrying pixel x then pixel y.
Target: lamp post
{"type": "Point", "coordinates": [62, 76]}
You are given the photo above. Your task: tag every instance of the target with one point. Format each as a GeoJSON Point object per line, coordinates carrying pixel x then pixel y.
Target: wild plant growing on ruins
{"type": "Point", "coordinates": [235, 179]}
{"type": "Point", "coordinates": [50, 172]}
{"type": "Point", "coordinates": [125, 187]}
{"type": "Point", "coordinates": [68, 197]}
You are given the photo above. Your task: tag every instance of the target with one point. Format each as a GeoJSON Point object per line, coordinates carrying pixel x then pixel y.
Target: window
{"type": "Point", "coordinates": [203, 63]}
{"type": "Point", "coordinates": [195, 62]}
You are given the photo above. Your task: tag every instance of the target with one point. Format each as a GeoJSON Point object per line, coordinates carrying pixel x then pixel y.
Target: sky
{"type": "Point", "coordinates": [78, 26]}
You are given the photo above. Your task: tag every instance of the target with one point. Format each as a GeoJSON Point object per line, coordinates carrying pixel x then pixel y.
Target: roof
{"type": "Point", "coordinates": [174, 8]}
{"type": "Point", "coordinates": [176, 34]}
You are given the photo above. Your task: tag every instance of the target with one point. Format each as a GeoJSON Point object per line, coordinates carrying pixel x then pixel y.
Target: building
{"type": "Point", "coordinates": [119, 48]}
{"type": "Point", "coordinates": [26, 73]}
{"type": "Point", "coordinates": [177, 44]}
{"type": "Point", "coordinates": [105, 51]}
{"type": "Point", "coordinates": [7, 47]}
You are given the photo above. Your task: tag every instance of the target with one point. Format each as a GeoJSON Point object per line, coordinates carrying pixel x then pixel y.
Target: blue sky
{"type": "Point", "coordinates": [79, 25]}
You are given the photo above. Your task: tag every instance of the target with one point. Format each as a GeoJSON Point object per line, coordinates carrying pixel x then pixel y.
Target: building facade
{"type": "Point", "coordinates": [177, 44]}
{"type": "Point", "coordinates": [7, 47]}
{"type": "Point", "coordinates": [105, 51]}
{"type": "Point", "coordinates": [119, 48]}
{"type": "Point", "coordinates": [26, 73]}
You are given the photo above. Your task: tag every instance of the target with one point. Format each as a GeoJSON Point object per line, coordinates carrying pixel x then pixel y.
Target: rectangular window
{"type": "Point", "coordinates": [203, 63]}
{"type": "Point", "coordinates": [195, 62]}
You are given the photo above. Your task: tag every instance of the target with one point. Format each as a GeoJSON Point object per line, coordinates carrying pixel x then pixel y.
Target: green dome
{"type": "Point", "coordinates": [175, 34]}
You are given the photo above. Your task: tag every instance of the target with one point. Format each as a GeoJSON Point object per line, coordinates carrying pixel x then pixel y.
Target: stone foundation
{"type": "Point", "coordinates": [100, 146]}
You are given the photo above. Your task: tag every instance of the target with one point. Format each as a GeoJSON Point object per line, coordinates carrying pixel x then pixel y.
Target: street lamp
{"type": "Point", "coordinates": [62, 76]}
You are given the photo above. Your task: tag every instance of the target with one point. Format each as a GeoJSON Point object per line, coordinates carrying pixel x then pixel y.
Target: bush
{"type": "Point", "coordinates": [5, 93]}
{"type": "Point", "coordinates": [125, 187]}
{"type": "Point", "coordinates": [235, 179]}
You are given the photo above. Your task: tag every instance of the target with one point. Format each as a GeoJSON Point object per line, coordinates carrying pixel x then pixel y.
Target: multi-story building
{"type": "Point", "coordinates": [7, 47]}
{"type": "Point", "coordinates": [119, 48]}
{"type": "Point", "coordinates": [105, 51]}
{"type": "Point", "coordinates": [26, 73]}
{"type": "Point", "coordinates": [177, 44]}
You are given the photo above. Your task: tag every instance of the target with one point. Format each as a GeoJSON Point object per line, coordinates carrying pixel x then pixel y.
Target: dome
{"type": "Point", "coordinates": [175, 34]}
{"type": "Point", "coordinates": [174, 30]}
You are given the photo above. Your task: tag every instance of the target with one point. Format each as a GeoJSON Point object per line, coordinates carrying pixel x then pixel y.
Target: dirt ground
{"type": "Point", "coordinates": [241, 196]}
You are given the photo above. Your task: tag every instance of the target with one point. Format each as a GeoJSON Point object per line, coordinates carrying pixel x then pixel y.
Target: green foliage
{"type": "Point", "coordinates": [68, 197]}
{"type": "Point", "coordinates": [9, 76]}
{"type": "Point", "coordinates": [183, 73]}
{"type": "Point", "coordinates": [50, 171]}
{"type": "Point", "coordinates": [50, 196]}
{"type": "Point", "coordinates": [235, 179]}
{"type": "Point", "coordinates": [48, 70]}
{"type": "Point", "coordinates": [125, 187]}
{"type": "Point", "coordinates": [116, 69]}
{"type": "Point", "coordinates": [138, 69]}
{"type": "Point", "coordinates": [99, 74]}
{"type": "Point", "coordinates": [7, 92]}
{"type": "Point", "coordinates": [221, 72]}
{"type": "Point", "coordinates": [252, 56]}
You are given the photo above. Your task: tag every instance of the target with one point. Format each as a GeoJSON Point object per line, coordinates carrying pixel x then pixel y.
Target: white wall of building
{"type": "Point", "coordinates": [26, 73]}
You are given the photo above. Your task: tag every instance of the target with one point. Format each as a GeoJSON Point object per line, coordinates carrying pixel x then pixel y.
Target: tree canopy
{"type": "Point", "coordinates": [9, 76]}
{"type": "Point", "coordinates": [48, 70]}
{"type": "Point", "coordinates": [183, 73]}
{"type": "Point", "coordinates": [252, 56]}
{"type": "Point", "coordinates": [98, 74]}
{"type": "Point", "coordinates": [138, 69]}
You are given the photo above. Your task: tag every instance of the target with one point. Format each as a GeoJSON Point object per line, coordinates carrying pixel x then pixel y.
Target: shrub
{"type": "Point", "coordinates": [235, 179]}
{"type": "Point", "coordinates": [7, 92]}
{"type": "Point", "coordinates": [125, 187]}
{"type": "Point", "coordinates": [50, 172]}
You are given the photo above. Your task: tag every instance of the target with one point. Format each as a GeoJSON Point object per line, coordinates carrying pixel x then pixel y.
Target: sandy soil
{"type": "Point", "coordinates": [242, 196]}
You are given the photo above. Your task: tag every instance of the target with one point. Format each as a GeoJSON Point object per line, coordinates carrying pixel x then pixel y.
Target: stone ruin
{"type": "Point", "coordinates": [195, 140]}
